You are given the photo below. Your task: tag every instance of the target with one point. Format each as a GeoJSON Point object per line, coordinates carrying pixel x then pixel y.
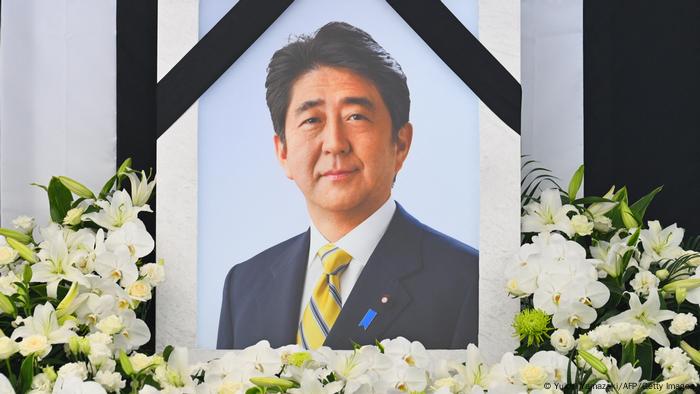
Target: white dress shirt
{"type": "Point", "coordinates": [359, 243]}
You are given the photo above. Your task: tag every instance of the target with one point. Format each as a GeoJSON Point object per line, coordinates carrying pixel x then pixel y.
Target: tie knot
{"type": "Point", "coordinates": [334, 259]}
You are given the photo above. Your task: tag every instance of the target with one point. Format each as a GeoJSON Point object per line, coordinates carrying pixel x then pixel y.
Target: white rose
{"type": "Point", "coordinates": [7, 255]}
{"type": "Point", "coordinates": [533, 376]}
{"type": "Point", "coordinates": [41, 384]}
{"type": "Point", "coordinates": [100, 348]}
{"type": "Point", "coordinates": [73, 216]}
{"type": "Point", "coordinates": [153, 273]}
{"type": "Point", "coordinates": [602, 224]}
{"type": "Point", "coordinates": [682, 323]}
{"type": "Point", "coordinates": [140, 290]}
{"type": "Point", "coordinates": [35, 344]}
{"type": "Point", "coordinates": [563, 341]}
{"type": "Point", "coordinates": [7, 283]}
{"type": "Point", "coordinates": [581, 225]}
{"type": "Point", "coordinates": [110, 325]}
{"type": "Point", "coordinates": [643, 282]}
{"type": "Point", "coordinates": [73, 370]}
{"type": "Point", "coordinates": [24, 224]}
{"type": "Point", "coordinates": [112, 382]}
{"type": "Point", "coordinates": [8, 347]}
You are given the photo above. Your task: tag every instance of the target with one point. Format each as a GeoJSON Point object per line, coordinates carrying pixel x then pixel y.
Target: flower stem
{"type": "Point", "coordinates": [9, 372]}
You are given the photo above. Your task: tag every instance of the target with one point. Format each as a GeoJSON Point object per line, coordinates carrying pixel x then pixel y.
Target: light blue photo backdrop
{"type": "Point", "coordinates": [246, 204]}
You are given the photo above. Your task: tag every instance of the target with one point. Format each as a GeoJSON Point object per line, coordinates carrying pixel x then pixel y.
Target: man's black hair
{"type": "Point", "coordinates": [337, 44]}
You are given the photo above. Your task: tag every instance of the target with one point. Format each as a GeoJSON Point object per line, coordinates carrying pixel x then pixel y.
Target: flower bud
{"type": "Point", "coordinates": [272, 382]}
{"type": "Point", "coordinates": [50, 373]}
{"type": "Point", "coordinates": [73, 216]}
{"type": "Point", "coordinates": [681, 294]}
{"type": "Point", "coordinates": [24, 251]}
{"type": "Point", "coordinates": [688, 284]}
{"type": "Point", "coordinates": [693, 353]}
{"type": "Point", "coordinates": [662, 274]}
{"type": "Point", "coordinates": [74, 345]}
{"type": "Point", "coordinates": [7, 306]}
{"type": "Point", "coordinates": [76, 187]}
{"type": "Point", "coordinates": [593, 361]}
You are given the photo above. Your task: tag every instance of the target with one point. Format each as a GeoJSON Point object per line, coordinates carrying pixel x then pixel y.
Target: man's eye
{"type": "Point", "coordinates": [357, 117]}
{"type": "Point", "coordinates": [311, 121]}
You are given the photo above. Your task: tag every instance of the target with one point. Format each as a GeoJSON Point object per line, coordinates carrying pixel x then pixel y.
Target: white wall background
{"type": "Point", "coordinates": [552, 67]}
{"type": "Point", "coordinates": [57, 99]}
{"type": "Point", "coordinates": [245, 201]}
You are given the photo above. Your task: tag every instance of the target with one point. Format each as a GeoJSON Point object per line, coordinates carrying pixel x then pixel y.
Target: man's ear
{"type": "Point", "coordinates": [281, 153]}
{"type": "Point", "coordinates": [403, 144]}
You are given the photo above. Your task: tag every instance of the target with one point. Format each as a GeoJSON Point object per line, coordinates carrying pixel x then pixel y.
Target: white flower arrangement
{"type": "Point", "coordinates": [610, 307]}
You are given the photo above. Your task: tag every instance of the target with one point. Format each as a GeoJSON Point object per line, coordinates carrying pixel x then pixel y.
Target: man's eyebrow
{"type": "Point", "coordinates": [361, 101]}
{"type": "Point", "coordinates": [306, 105]}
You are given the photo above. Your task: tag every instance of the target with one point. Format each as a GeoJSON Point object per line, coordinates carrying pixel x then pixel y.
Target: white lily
{"type": "Point", "coordinates": [5, 386]}
{"type": "Point", "coordinates": [625, 379]}
{"type": "Point", "coordinates": [133, 238]}
{"type": "Point", "coordinates": [548, 214]}
{"type": "Point", "coordinates": [44, 323]}
{"type": "Point", "coordinates": [597, 211]}
{"type": "Point", "coordinates": [649, 315]}
{"type": "Point", "coordinates": [661, 243]}
{"type": "Point", "coordinates": [693, 295]}
{"type": "Point", "coordinates": [140, 189]}
{"type": "Point", "coordinates": [176, 373]}
{"type": "Point", "coordinates": [117, 211]}
{"type": "Point", "coordinates": [57, 264]}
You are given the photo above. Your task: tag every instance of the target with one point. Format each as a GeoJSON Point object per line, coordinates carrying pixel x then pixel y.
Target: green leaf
{"type": "Point", "coordinates": [166, 352]}
{"type": "Point", "coordinates": [621, 195]}
{"type": "Point", "coordinates": [591, 200]}
{"type": "Point", "coordinates": [41, 186]}
{"type": "Point", "coordinates": [253, 390]}
{"type": "Point", "coordinates": [21, 237]}
{"type": "Point", "coordinates": [122, 168]}
{"type": "Point", "coordinates": [60, 199]}
{"type": "Point", "coordinates": [645, 355]}
{"type": "Point", "coordinates": [26, 374]}
{"type": "Point", "coordinates": [639, 208]}
{"type": "Point", "coordinates": [76, 187]}
{"type": "Point", "coordinates": [575, 183]}
{"type": "Point", "coordinates": [108, 187]}
{"type": "Point", "coordinates": [629, 353]}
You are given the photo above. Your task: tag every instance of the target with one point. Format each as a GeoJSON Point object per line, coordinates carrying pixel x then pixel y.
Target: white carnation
{"type": "Point", "coordinates": [73, 370]}
{"type": "Point", "coordinates": [682, 323]}
{"type": "Point", "coordinates": [643, 282]}
{"type": "Point", "coordinates": [112, 382]}
{"type": "Point", "coordinates": [674, 362]}
{"type": "Point", "coordinates": [24, 224]}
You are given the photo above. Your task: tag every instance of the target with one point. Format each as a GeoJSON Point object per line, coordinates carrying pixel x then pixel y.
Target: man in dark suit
{"type": "Point", "coordinates": [365, 270]}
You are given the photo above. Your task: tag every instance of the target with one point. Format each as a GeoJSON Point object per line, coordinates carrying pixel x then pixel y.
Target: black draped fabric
{"type": "Point", "coordinates": [642, 103]}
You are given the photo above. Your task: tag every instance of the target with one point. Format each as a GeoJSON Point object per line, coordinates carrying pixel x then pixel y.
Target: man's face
{"type": "Point", "coordinates": [339, 149]}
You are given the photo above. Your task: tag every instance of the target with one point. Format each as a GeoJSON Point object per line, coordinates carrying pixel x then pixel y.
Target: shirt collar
{"type": "Point", "coordinates": [360, 241]}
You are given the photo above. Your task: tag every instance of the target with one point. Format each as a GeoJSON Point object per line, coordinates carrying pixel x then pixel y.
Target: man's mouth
{"type": "Point", "coordinates": [336, 175]}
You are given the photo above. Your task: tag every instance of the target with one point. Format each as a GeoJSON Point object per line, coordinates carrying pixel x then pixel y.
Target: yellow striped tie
{"type": "Point", "coordinates": [325, 304]}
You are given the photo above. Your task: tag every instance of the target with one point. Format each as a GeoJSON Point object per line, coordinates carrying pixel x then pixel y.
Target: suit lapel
{"type": "Point", "coordinates": [280, 300]}
{"type": "Point", "coordinates": [396, 256]}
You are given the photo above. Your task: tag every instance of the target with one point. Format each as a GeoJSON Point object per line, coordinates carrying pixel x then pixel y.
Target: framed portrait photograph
{"type": "Point", "coordinates": [339, 184]}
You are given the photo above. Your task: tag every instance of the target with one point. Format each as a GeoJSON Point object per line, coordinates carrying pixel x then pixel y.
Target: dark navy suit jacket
{"type": "Point", "coordinates": [431, 282]}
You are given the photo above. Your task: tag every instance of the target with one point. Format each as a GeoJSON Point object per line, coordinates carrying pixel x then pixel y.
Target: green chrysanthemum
{"type": "Point", "coordinates": [532, 325]}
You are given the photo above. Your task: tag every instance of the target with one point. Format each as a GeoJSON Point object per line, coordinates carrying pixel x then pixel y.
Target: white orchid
{"type": "Point", "coordinates": [556, 366]}
{"type": "Point", "coordinates": [548, 214]}
{"type": "Point", "coordinates": [409, 353]}
{"type": "Point", "coordinates": [116, 211]}
{"type": "Point", "coordinates": [648, 315]}
{"type": "Point", "coordinates": [117, 266]}
{"type": "Point", "coordinates": [134, 332]}
{"type": "Point", "coordinates": [132, 238]}
{"type": "Point", "coordinates": [573, 315]}
{"type": "Point", "coordinates": [505, 375]}
{"type": "Point", "coordinates": [310, 384]}
{"type": "Point", "coordinates": [73, 385]}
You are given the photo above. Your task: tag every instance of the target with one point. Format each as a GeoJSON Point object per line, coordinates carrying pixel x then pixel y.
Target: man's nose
{"type": "Point", "coordinates": [335, 139]}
